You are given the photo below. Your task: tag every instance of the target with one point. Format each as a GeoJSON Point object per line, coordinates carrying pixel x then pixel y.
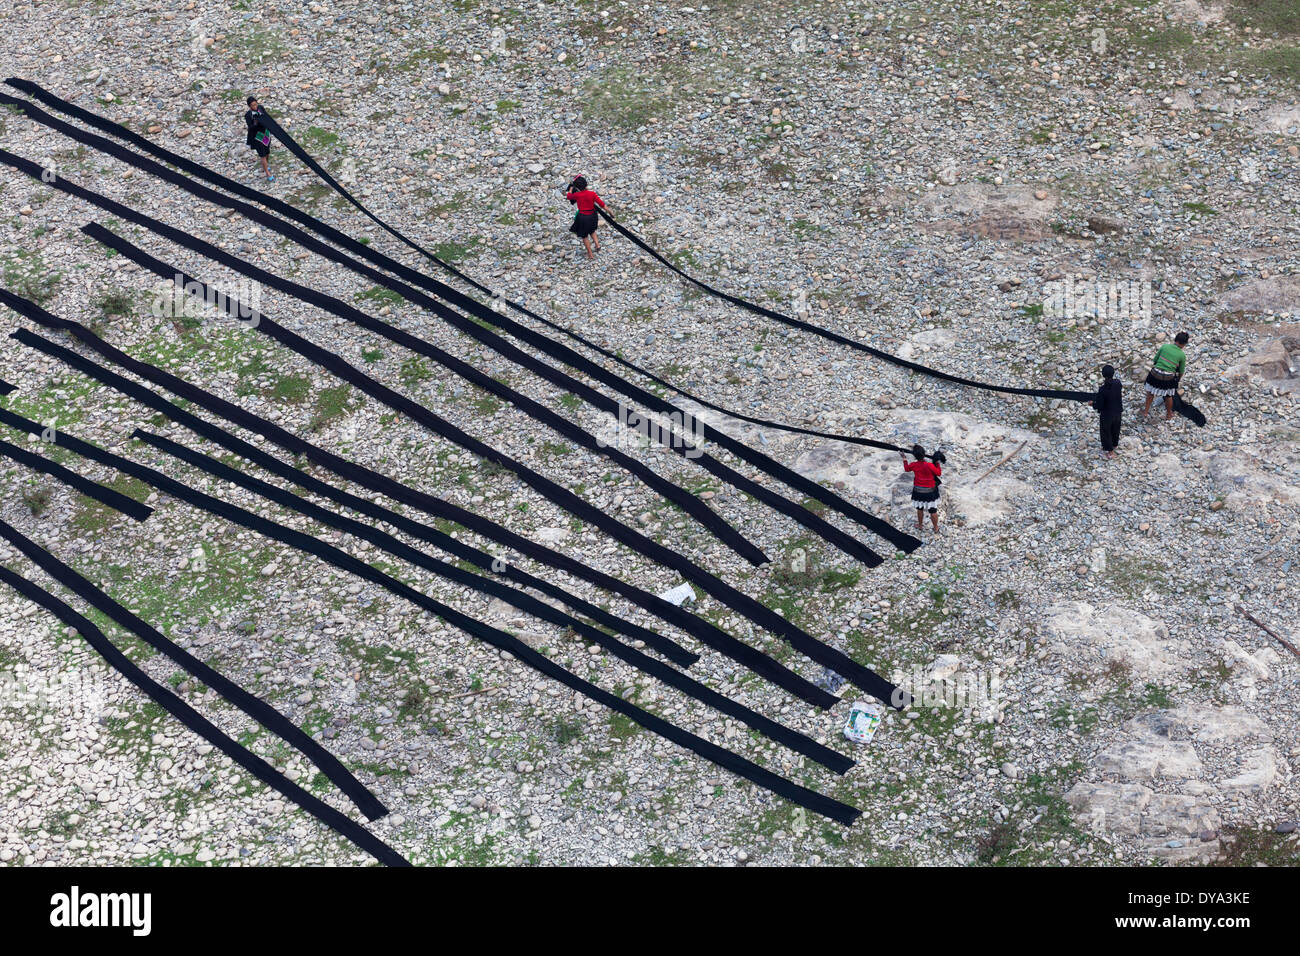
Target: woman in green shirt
{"type": "Point", "coordinates": [1162, 380]}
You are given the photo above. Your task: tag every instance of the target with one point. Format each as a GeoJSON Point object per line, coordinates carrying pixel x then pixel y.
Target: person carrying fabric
{"type": "Point", "coordinates": [925, 484]}
{"type": "Point", "coordinates": [259, 137]}
{"type": "Point", "coordinates": [1110, 405]}
{"type": "Point", "coordinates": [586, 220]}
{"type": "Point", "coordinates": [1166, 372]}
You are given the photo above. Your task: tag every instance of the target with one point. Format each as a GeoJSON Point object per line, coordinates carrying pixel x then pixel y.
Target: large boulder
{"type": "Point", "coordinates": [1276, 362]}
{"type": "Point", "coordinates": [972, 447]}
{"type": "Point", "coordinates": [1241, 479]}
{"type": "Point", "coordinates": [1155, 784]}
{"type": "Point", "coordinates": [1098, 639]}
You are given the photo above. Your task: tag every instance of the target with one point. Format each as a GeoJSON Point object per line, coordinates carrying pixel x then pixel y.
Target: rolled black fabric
{"type": "Point", "coordinates": [786, 475]}
{"type": "Point", "coordinates": [1189, 411]}
{"type": "Point", "coordinates": [499, 639]}
{"type": "Point", "coordinates": [254, 706]}
{"type": "Point", "coordinates": [687, 685]}
{"type": "Point", "coordinates": [706, 632]}
{"type": "Point", "coordinates": [104, 495]}
{"type": "Point", "coordinates": [862, 676]}
{"type": "Point", "coordinates": [196, 722]}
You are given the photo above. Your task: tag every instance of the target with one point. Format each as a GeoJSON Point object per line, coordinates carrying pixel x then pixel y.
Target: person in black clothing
{"type": "Point", "coordinates": [1110, 404]}
{"type": "Point", "coordinates": [259, 137]}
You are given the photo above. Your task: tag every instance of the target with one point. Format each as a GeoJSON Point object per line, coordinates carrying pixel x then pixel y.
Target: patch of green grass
{"type": "Point", "coordinates": [292, 389]}
{"type": "Point", "coordinates": [1164, 41]}
{"type": "Point", "coordinates": [838, 580]}
{"type": "Point", "coordinates": [1282, 61]}
{"type": "Point", "coordinates": [1244, 848]}
{"type": "Point", "coordinates": [625, 98]}
{"type": "Point", "coordinates": [423, 56]}
{"type": "Point", "coordinates": [1271, 16]}
{"type": "Point", "coordinates": [315, 139]}
{"type": "Point", "coordinates": [28, 276]}
{"type": "Point", "coordinates": [658, 856]}
{"type": "Point", "coordinates": [1200, 209]}
{"type": "Point", "coordinates": [331, 405]}
{"type": "Point", "coordinates": [566, 732]}
{"type": "Point", "coordinates": [92, 517]}
{"type": "Point", "coordinates": [255, 44]}
{"type": "Point", "coordinates": [413, 702]}
{"type": "Point", "coordinates": [487, 405]}
{"type": "Point", "coordinates": [413, 371]}
{"type": "Point", "coordinates": [1041, 795]}
{"type": "Point", "coordinates": [457, 251]}
{"type": "Point", "coordinates": [807, 230]}
{"type": "Point", "coordinates": [621, 726]}
{"type": "Point", "coordinates": [372, 355]}
{"type": "Point", "coordinates": [37, 499]}
{"type": "Point", "coordinates": [113, 303]}
{"type": "Point", "coordinates": [381, 296]}
{"type": "Point", "coordinates": [1130, 577]}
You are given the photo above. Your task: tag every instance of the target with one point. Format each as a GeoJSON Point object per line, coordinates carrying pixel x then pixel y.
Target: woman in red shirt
{"type": "Point", "coordinates": [925, 483]}
{"type": "Point", "coordinates": [585, 222]}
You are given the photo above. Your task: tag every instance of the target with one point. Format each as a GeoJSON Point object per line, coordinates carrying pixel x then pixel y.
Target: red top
{"type": "Point", "coordinates": [587, 201]}
{"type": "Point", "coordinates": [923, 473]}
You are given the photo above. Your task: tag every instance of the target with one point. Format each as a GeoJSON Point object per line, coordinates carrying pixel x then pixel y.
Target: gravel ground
{"type": "Point", "coordinates": [921, 177]}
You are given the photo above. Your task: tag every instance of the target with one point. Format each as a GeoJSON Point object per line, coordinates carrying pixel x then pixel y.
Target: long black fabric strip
{"type": "Point", "coordinates": [345, 311]}
{"type": "Point", "coordinates": [6, 388]}
{"type": "Point", "coordinates": [196, 722]}
{"type": "Point", "coordinates": [543, 344]}
{"type": "Point", "coordinates": [1182, 407]}
{"type": "Point", "coordinates": [688, 502]}
{"type": "Point", "coordinates": [755, 660]}
{"type": "Point", "coordinates": [99, 122]}
{"type": "Point", "coordinates": [810, 799]}
{"type": "Point", "coordinates": [862, 676]}
{"type": "Point", "coordinates": [323, 174]}
{"type": "Point", "coordinates": [687, 685]}
{"type": "Point", "coordinates": [254, 706]}
{"type": "Point", "coordinates": [424, 532]}
{"type": "Point", "coordinates": [484, 585]}
{"type": "Point", "coordinates": [706, 632]}
{"type": "Point", "coordinates": [107, 496]}
{"type": "Point", "coordinates": [858, 674]}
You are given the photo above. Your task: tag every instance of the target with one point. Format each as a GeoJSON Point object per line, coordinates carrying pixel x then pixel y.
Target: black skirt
{"type": "Point", "coordinates": [1162, 384]}
{"type": "Point", "coordinates": [263, 149]}
{"type": "Point", "coordinates": [584, 224]}
{"type": "Point", "coordinates": [924, 496]}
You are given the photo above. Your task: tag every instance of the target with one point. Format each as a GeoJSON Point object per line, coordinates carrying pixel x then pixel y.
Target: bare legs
{"type": "Point", "coordinates": [591, 244]}
{"type": "Point", "coordinates": [920, 519]}
{"type": "Point", "coordinates": [1169, 407]}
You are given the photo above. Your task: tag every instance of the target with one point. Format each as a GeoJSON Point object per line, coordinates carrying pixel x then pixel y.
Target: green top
{"type": "Point", "coordinates": [1170, 358]}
